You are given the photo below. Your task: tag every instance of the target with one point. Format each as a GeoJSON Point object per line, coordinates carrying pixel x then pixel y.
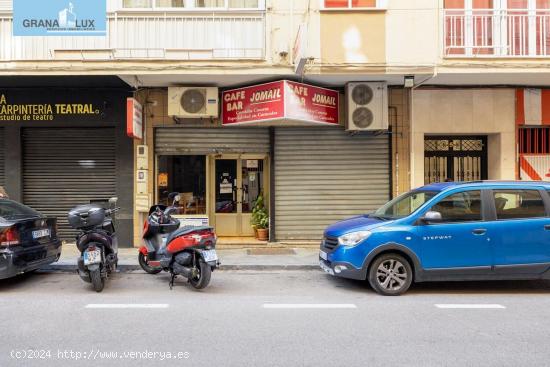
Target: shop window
{"type": "Point", "coordinates": [512, 204]}
{"type": "Point", "coordinates": [170, 3]}
{"type": "Point", "coordinates": [460, 207]}
{"type": "Point", "coordinates": [354, 4]}
{"type": "Point", "coordinates": [185, 174]}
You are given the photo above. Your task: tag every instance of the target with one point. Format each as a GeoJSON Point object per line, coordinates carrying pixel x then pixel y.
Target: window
{"type": "Point", "coordinates": [192, 4]}
{"type": "Point", "coordinates": [12, 210]}
{"type": "Point", "coordinates": [185, 174]}
{"type": "Point", "coordinates": [352, 4]}
{"type": "Point", "coordinates": [137, 3]}
{"type": "Point", "coordinates": [460, 207]}
{"type": "Point", "coordinates": [512, 204]}
{"type": "Point", "coordinates": [404, 205]}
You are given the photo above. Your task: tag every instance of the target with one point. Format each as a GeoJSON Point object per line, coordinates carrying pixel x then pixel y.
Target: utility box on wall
{"type": "Point", "coordinates": [142, 198]}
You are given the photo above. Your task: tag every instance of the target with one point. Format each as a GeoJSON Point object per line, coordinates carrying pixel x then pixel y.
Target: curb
{"type": "Point", "coordinates": [70, 268]}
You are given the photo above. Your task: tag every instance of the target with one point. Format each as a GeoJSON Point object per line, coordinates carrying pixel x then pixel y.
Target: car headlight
{"type": "Point", "coordinates": [353, 238]}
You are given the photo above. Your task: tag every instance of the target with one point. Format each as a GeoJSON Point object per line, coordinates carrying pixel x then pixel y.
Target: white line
{"type": "Point", "coordinates": [470, 306]}
{"type": "Point", "coordinates": [127, 305]}
{"type": "Point", "coordinates": [308, 305]}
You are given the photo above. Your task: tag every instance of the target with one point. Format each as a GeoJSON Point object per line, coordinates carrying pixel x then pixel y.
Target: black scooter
{"type": "Point", "coordinates": [97, 242]}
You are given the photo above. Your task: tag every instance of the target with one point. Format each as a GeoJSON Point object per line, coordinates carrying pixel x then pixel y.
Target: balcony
{"type": "Point", "coordinates": [154, 35]}
{"type": "Point", "coordinates": [496, 33]}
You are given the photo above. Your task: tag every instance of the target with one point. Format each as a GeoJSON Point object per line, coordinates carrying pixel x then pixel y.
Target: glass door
{"type": "Point", "coordinates": [238, 182]}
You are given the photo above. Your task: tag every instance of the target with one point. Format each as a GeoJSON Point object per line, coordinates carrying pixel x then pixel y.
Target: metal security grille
{"type": "Point", "coordinates": [323, 175]}
{"type": "Point", "coordinates": [455, 159]}
{"type": "Point", "coordinates": [2, 158]}
{"type": "Point", "coordinates": [65, 167]}
{"type": "Point", "coordinates": [534, 140]}
{"type": "Point", "coordinates": [179, 140]}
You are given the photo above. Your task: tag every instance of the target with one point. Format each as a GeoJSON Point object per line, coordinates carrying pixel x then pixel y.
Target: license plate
{"type": "Point", "coordinates": [323, 255]}
{"type": "Point", "coordinates": [210, 255]}
{"type": "Point", "coordinates": [326, 268]}
{"type": "Point", "coordinates": [41, 233]}
{"type": "Point", "coordinates": [92, 257]}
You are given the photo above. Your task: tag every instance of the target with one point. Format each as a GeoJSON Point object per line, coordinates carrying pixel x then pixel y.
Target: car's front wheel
{"type": "Point", "coordinates": [390, 274]}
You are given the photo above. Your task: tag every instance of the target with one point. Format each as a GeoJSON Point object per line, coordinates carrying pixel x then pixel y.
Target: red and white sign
{"type": "Point", "coordinates": [535, 167]}
{"type": "Point", "coordinates": [532, 106]}
{"type": "Point", "coordinates": [282, 100]}
{"type": "Point", "coordinates": [134, 119]}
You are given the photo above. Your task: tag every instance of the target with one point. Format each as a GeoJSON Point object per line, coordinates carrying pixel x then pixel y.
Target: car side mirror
{"type": "Point", "coordinates": [432, 216]}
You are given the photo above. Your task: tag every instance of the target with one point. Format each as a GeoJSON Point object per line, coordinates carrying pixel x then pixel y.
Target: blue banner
{"type": "Point", "coordinates": [59, 17]}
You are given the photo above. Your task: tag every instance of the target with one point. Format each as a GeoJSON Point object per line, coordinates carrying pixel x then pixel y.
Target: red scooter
{"type": "Point", "coordinates": [187, 251]}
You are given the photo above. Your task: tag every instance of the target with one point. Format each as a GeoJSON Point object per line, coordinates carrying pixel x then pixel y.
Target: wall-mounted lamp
{"type": "Point", "coordinates": [408, 81]}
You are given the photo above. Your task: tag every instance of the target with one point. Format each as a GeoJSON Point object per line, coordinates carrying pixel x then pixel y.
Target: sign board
{"type": "Point", "coordinates": [134, 118]}
{"type": "Point", "coordinates": [535, 167]}
{"type": "Point", "coordinates": [59, 18]}
{"type": "Point", "coordinates": [63, 106]}
{"type": "Point", "coordinates": [281, 100]}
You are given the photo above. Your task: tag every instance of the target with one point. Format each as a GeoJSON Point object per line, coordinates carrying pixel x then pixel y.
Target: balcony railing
{"type": "Point", "coordinates": [496, 33]}
{"type": "Point", "coordinates": [169, 36]}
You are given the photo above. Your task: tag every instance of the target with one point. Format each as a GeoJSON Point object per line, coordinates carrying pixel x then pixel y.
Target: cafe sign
{"type": "Point", "coordinates": [280, 102]}
{"type": "Point", "coordinates": [11, 110]}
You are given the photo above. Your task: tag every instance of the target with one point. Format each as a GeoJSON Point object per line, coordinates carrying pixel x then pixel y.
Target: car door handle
{"type": "Point", "coordinates": [547, 227]}
{"type": "Point", "coordinates": [479, 232]}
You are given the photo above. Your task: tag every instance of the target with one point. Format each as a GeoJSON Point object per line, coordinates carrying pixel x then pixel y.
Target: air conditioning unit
{"type": "Point", "coordinates": [193, 102]}
{"type": "Point", "coordinates": [367, 106]}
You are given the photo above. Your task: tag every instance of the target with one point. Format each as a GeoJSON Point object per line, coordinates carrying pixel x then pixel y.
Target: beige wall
{"type": "Point", "coordinates": [465, 111]}
{"type": "Point", "coordinates": [412, 32]}
{"type": "Point", "coordinates": [399, 117]}
{"type": "Point", "coordinates": [353, 37]}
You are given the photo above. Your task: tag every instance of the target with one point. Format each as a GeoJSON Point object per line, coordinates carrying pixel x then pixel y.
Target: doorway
{"type": "Point", "coordinates": [455, 158]}
{"type": "Point", "coordinates": [237, 182]}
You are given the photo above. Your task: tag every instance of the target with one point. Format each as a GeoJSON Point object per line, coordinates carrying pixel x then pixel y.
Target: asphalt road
{"type": "Point", "coordinates": [286, 318]}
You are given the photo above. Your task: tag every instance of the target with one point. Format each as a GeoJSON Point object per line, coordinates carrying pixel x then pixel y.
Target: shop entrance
{"type": "Point", "coordinates": [455, 158]}
{"type": "Point", "coordinates": [237, 182]}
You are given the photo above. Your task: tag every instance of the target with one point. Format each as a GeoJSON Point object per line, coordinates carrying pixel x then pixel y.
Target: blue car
{"type": "Point", "coordinates": [486, 230]}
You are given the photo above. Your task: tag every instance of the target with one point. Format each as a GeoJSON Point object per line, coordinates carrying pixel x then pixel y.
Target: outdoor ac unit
{"type": "Point", "coordinates": [193, 102]}
{"type": "Point", "coordinates": [367, 106]}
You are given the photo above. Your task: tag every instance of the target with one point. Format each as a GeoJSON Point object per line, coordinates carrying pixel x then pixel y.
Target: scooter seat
{"type": "Point", "coordinates": [182, 231]}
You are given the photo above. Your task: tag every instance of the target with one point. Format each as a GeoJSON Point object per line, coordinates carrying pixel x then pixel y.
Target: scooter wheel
{"type": "Point", "coordinates": [202, 279]}
{"type": "Point", "coordinates": [97, 281]}
{"type": "Point", "coordinates": [142, 259]}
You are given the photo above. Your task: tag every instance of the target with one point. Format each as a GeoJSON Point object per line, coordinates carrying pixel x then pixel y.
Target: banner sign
{"type": "Point", "coordinates": [59, 17]}
{"type": "Point", "coordinates": [21, 106]}
{"type": "Point", "coordinates": [134, 118]}
{"type": "Point", "coordinates": [280, 100]}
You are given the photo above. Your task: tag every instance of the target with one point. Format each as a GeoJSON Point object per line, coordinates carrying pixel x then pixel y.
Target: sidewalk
{"type": "Point", "coordinates": [266, 258]}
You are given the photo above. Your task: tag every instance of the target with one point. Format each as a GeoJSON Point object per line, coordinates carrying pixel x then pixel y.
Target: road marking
{"type": "Point", "coordinates": [470, 306]}
{"type": "Point", "coordinates": [127, 305]}
{"type": "Point", "coordinates": [308, 305]}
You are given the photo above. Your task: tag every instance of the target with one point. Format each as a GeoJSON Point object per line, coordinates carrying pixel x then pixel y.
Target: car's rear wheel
{"type": "Point", "coordinates": [390, 274]}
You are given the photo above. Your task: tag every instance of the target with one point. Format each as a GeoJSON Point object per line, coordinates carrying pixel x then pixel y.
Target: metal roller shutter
{"type": "Point", "coordinates": [323, 175]}
{"type": "Point", "coordinates": [66, 167]}
{"type": "Point", "coordinates": [2, 154]}
{"type": "Point", "coordinates": [178, 140]}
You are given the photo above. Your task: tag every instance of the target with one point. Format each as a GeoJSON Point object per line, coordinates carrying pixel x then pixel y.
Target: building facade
{"type": "Point", "coordinates": [466, 100]}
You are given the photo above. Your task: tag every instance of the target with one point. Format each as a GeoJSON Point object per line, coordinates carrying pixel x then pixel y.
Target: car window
{"type": "Point", "coordinates": [460, 207]}
{"type": "Point", "coordinates": [405, 204]}
{"type": "Point", "coordinates": [10, 209]}
{"type": "Point", "coordinates": [512, 204]}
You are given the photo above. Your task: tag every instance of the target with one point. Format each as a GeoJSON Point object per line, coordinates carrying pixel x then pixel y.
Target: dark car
{"type": "Point", "coordinates": [28, 239]}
